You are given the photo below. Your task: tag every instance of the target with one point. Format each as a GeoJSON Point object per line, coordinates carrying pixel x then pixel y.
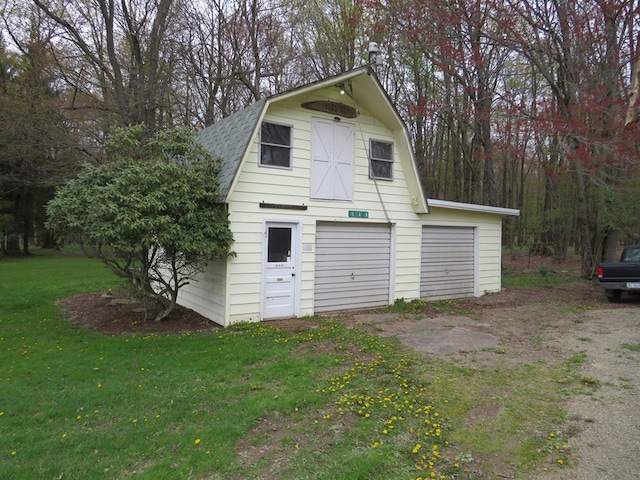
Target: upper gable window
{"type": "Point", "coordinates": [275, 145]}
{"type": "Point", "coordinates": [381, 154]}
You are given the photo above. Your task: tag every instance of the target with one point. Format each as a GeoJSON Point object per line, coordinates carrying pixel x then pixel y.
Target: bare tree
{"type": "Point", "coordinates": [116, 53]}
{"type": "Point", "coordinates": [463, 62]}
{"type": "Point", "coordinates": [333, 34]}
{"type": "Point", "coordinates": [235, 52]}
{"type": "Point", "coordinates": [581, 50]}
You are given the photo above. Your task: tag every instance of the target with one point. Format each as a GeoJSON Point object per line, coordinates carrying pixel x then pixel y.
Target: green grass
{"type": "Point", "coordinates": [246, 402]}
{"type": "Point", "coordinates": [543, 277]}
{"type": "Point", "coordinates": [505, 411]}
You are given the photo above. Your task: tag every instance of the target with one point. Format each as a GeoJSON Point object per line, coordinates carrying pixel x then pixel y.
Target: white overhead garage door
{"type": "Point", "coordinates": [447, 263]}
{"type": "Point", "coordinates": [353, 266]}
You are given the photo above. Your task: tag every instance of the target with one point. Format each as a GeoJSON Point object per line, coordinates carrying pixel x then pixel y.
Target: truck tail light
{"type": "Point", "coordinates": [600, 272]}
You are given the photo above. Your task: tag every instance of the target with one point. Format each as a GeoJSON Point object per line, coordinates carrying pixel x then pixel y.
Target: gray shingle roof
{"type": "Point", "coordinates": [228, 140]}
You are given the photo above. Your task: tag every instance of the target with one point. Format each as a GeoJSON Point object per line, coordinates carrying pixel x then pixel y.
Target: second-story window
{"type": "Point", "coordinates": [381, 154]}
{"type": "Point", "coordinates": [275, 145]}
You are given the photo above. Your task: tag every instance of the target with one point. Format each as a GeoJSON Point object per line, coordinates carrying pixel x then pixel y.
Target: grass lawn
{"type": "Point", "coordinates": [247, 402]}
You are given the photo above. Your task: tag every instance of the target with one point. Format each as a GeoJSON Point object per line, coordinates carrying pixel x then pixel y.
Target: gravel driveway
{"type": "Point", "coordinates": [607, 443]}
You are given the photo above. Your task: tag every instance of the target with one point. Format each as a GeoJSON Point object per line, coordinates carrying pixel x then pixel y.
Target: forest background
{"type": "Point", "coordinates": [527, 104]}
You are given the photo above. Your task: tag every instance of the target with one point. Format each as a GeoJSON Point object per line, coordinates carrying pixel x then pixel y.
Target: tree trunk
{"type": "Point", "coordinates": [13, 246]}
{"type": "Point", "coordinates": [561, 249]}
{"type": "Point", "coordinates": [171, 287]}
{"type": "Point", "coordinates": [610, 246]}
{"type": "Point", "coordinates": [164, 313]}
{"type": "Point", "coordinates": [23, 214]}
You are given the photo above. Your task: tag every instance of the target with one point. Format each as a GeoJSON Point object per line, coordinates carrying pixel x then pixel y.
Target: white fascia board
{"type": "Point", "coordinates": [472, 207]}
{"type": "Point", "coordinates": [335, 81]}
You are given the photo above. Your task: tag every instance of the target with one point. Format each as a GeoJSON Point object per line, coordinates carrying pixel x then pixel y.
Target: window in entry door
{"type": "Point", "coordinates": [279, 244]}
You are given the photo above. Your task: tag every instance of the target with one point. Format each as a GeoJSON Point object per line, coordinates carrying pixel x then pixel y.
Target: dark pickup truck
{"type": "Point", "coordinates": [623, 276]}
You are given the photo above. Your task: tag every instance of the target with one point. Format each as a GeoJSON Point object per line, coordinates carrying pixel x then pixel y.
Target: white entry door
{"type": "Point", "coordinates": [280, 281]}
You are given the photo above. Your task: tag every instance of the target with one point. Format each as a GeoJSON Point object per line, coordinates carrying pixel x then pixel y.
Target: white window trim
{"type": "Point", "coordinates": [389, 160]}
{"type": "Point", "coordinates": [290, 147]}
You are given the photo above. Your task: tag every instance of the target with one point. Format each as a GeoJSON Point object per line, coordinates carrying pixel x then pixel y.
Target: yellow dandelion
{"type": "Point", "coordinates": [197, 441]}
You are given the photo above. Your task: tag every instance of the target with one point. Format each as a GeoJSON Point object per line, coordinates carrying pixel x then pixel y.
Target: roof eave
{"type": "Point", "coordinates": [472, 207]}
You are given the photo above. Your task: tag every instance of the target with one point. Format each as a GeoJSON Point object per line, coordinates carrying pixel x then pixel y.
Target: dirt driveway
{"type": "Point", "coordinates": [528, 326]}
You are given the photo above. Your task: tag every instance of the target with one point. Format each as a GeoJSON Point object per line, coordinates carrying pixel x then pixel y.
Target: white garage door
{"type": "Point", "coordinates": [353, 266]}
{"type": "Point", "coordinates": [447, 263]}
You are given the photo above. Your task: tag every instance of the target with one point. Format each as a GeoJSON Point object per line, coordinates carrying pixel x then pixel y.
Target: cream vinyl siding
{"type": "Point", "coordinates": [207, 296]}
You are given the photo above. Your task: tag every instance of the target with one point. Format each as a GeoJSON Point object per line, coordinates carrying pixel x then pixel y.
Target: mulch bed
{"type": "Point", "coordinates": [115, 315]}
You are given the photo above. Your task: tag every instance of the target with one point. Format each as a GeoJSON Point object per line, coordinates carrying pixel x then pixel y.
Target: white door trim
{"type": "Point", "coordinates": [392, 264]}
{"type": "Point", "coordinates": [292, 270]}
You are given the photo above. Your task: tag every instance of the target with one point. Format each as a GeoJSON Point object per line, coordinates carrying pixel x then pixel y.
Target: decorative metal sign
{"type": "Point", "coordinates": [358, 214]}
{"type": "Point", "coordinates": [334, 108]}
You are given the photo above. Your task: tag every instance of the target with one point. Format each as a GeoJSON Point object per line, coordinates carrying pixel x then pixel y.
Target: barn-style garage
{"type": "Point", "coordinates": [328, 212]}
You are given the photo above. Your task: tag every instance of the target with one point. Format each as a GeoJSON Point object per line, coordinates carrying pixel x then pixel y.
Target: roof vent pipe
{"type": "Point", "coordinates": [375, 60]}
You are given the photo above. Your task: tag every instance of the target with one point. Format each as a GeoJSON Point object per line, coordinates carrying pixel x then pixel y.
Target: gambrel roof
{"type": "Point", "coordinates": [229, 139]}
